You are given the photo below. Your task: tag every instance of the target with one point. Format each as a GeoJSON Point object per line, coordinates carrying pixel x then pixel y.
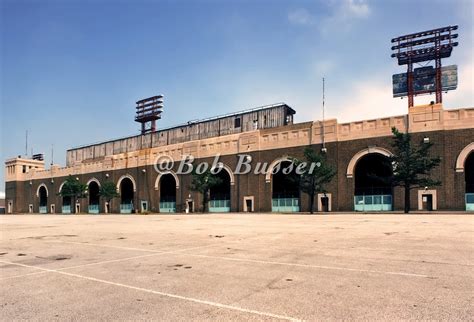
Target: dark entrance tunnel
{"type": "Point", "coordinates": [43, 197]}
{"type": "Point", "coordinates": [285, 189]}
{"type": "Point", "coordinates": [126, 196]}
{"type": "Point", "coordinates": [94, 197]}
{"type": "Point", "coordinates": [167, 193]}
{"type": "Point", "coordinates": [469, 177]}
{"type": "Point", "coordinates": [219, 195]}
{"type": "Point", "coordinates": [372, 190]}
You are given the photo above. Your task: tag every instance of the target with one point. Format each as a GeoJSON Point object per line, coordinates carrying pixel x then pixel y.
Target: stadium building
{"type": "Point", "coordinates": [265, 135]}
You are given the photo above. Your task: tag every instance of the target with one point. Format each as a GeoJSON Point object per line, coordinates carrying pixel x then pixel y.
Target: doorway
{"type": "Point", "coordinates": [427, 200]}
{"type": "Point", "coordinates": [143, 206]}
{"type": "Point", "coordinates": [189, 206]}
{"type": "Point", "coordinates": [324, 202]}
{"type": "Point", "coordinates": [249, 204]}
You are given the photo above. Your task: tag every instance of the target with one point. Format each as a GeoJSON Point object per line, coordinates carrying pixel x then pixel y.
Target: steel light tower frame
{"type": "Point", "coordinates": [148, 111]}
{"type": "Point", "coordinates": [433, 44]}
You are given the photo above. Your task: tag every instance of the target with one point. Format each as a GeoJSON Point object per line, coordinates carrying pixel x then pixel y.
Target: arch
{"type": "Point", "coordinates": [268, 175]}
{"type": "Point", "coordinates": [39, 187]}
{"type": "Point", "coordinates": [158, 178]}
{"type": "Point", "coordinates": [286, 192]}
{"type": "Point", "coordinates": [93, 180]}
{"type": "Point", "coordinates": [220, 194]}
{"type": "Point", "coordinates": [61, 186]}
{"type": "Point", "coordinates": [167, 186]}
{"type": "Point", "coordinates": [229, 171]}
{"type": "Point", "coordinates": [463, 156]}
{"type": "Point", "coordinates": [469, 174]}
{"type": "Point", "coordinates": [131, 179]}
{"type": "Point", "coordinates": [360, 154]}
{"type": "Point", "coordinates": [93, 189]}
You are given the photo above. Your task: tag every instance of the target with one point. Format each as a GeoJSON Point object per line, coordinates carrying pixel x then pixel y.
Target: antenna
{"type": "Point", "coordinates": [52, 154]}
{"type": "Point", "coordinates": [324, 150]}
{"type": "Point", "coordinates": [26, 144]}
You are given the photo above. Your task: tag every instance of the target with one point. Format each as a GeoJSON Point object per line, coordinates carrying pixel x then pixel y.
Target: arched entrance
{"type": "Point", "coordinates": [219, 196]}
{"type": "Point", "coordinates": [126, 195]}
{"type": "Point", "coordinates": [469, 177]}
{"type": "Point", "coordinates": [66, 207]}
{"type": "Point", "coordinates": [66, 201]}
{"type": "Point", "coordinates": [285, 188]}
{"type": "Point", "coordinates": [167, 193]}
{"type": "Point", "coordinates": [373, 191]}
{"type": "Point", "coordinates": [43, 199]}
{"type": "Point", "coordinates": [94, 197]}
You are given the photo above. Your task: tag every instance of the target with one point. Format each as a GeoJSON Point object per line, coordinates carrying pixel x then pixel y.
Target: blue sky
{"type": "Point", "coordinates": [72, 70]}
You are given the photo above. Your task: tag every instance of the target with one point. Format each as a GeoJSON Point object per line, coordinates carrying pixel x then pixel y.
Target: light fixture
{"type": "Point", "coordinates": [106, 175]}
{"type": "Point", "coordinates": [143, 170]}
{"type": "Point", "coordinates": [426, 140]}
{"type": "Point", "coordinates": [324, 150]}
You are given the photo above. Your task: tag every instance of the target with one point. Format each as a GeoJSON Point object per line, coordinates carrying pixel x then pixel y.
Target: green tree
{"type": "Point", "coordinates": [411, 164]}
{"type": "Point", "coordinates": [108, 191]}
{"type": "Point", "coordinates": [315, 175]}
{"type": "Point", "coordinates": [202, 183]}
{"type": "Point", "coordinates": [74, 189]}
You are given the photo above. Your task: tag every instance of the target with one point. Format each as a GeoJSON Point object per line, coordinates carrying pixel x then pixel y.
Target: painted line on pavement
{"type": "Point", "coordinates": [175, 296]}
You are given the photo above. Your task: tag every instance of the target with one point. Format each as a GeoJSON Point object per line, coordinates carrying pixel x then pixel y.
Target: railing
{"type": "Point", "coordinates": [469, 201]}
{"type": "Point", "coordinates": [219, 205]}
{"type": "Point", "coordinates": [373, 203]}
{"type": "Point", "coordinates": [126, 208]}
{"type": "Point", "coordinates": [66, 209]}
{"type": "Point", "coordinates": [93, 209]}
{"type": "Point", "coordinates": [285, 205]}
{"type": "Point", "coordinates": [167, 206]}
{"type": "Point", "coordinates": [43, 209]}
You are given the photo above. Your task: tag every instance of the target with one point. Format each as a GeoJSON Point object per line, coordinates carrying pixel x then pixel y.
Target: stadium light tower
{"type": "Point", "coordinates": [148, 111]}
{"type": "Point", "coordinates": [424, 46]}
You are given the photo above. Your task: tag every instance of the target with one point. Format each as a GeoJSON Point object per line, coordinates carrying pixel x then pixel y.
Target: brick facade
{"type": "Point", "coordinates": [448, 142]}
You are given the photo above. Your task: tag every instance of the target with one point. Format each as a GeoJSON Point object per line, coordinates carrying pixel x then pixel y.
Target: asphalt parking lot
{"type": "Point", "coordinates": [236, 267]}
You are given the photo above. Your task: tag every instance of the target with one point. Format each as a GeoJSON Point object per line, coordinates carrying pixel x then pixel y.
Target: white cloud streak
{"type": "Point", "coordinates": [301, 16]}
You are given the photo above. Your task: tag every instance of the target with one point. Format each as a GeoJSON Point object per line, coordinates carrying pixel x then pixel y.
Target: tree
{"type": "Point", "coordinates": [315, 175]}
{"type": "Point", "coordinates": [411, 165]}
{"type": "Point", "coordinates": [74, 189]}
{"type": "Point", "coordinates": [108, 191]}
{"type": "Point", "coordinates": [203, 182]}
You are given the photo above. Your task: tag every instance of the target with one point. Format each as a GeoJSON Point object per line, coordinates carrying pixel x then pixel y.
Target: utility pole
{"type": "Point", "coordinates": [324, 150]}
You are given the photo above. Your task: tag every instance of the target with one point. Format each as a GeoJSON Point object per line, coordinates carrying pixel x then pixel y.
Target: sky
{"type": "Point", "coordinates": [71, 71]}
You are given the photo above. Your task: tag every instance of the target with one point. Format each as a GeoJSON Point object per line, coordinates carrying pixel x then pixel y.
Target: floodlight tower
{"type": "Point", "coordinates": [424, 46]}
{"type": "Point", "coordinates": [148, 111]}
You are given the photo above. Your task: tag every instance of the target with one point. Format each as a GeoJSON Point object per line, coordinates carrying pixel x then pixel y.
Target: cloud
{"type": "Point", "coordinates": [367, 99]}
{"type": "Point", "coordinates": [355, 8]}
{"type": "Point", "coordinates": [323, 67]}
{"type": "Point", "coordinates": [301, 16]}
{"type": "Point", "coordinates": [343, 14]}
{"type": "Point", "coordinates": [372, 98]}
{"type": "Point", "coordinates": [463, 96]}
